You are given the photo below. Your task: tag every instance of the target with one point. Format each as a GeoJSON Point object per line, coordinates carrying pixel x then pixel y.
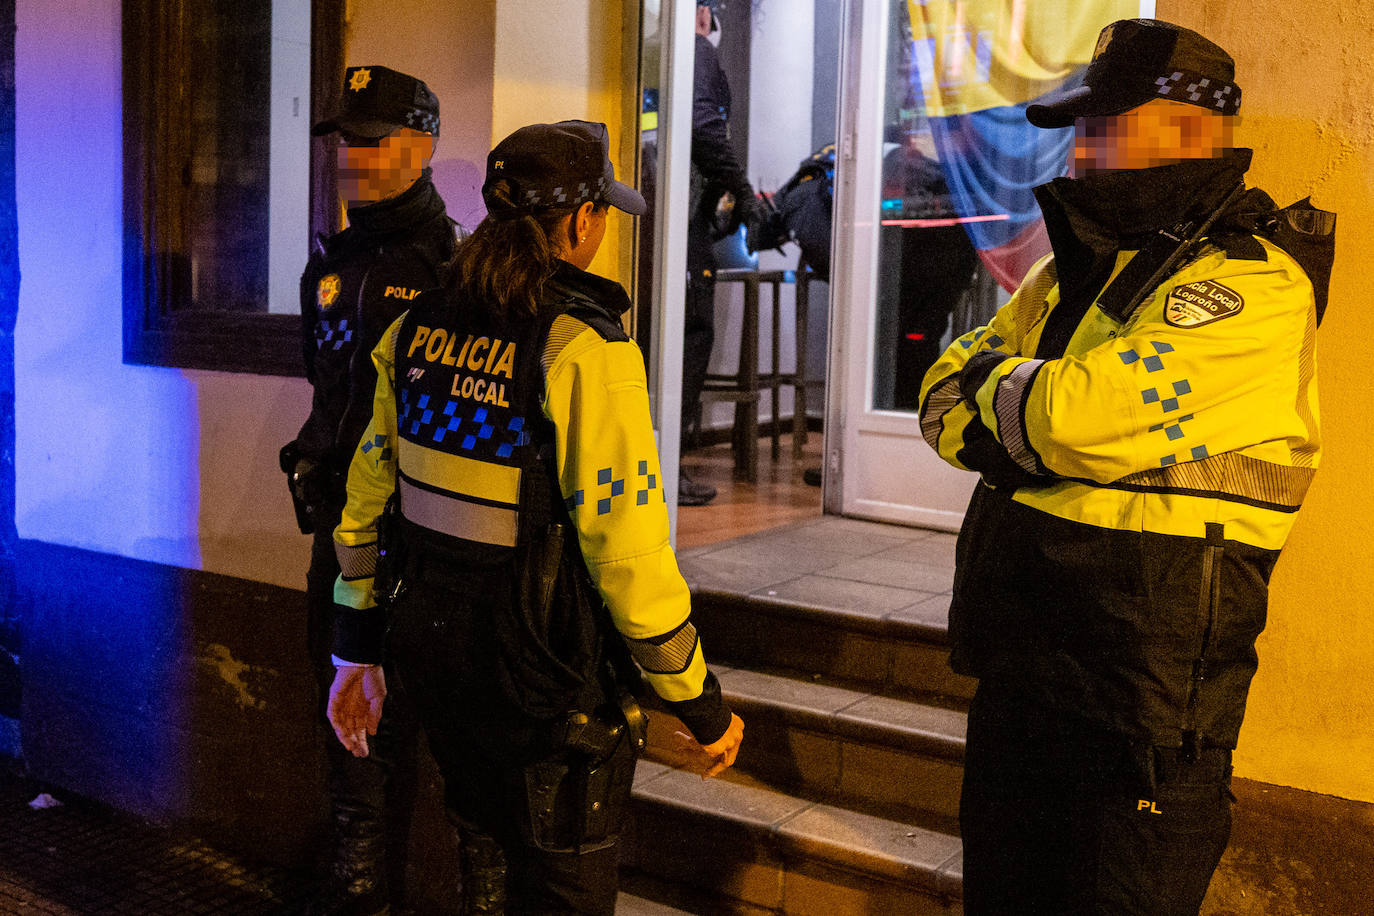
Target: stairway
{"type": "Point", "coordinates": [829, 639]}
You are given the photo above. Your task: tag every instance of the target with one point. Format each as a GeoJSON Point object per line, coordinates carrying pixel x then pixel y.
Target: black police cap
{"type": "Point", "coordinates": [562, 165]}
{"type": "Point", "coordinates": [378, 100]}
{"type": "Point", "coordinates": [1137, 60]}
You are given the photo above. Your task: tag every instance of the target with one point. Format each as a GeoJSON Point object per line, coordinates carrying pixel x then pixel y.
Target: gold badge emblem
{"type": "Point", "coordinates": [1103, 40]}
{"type": "Point", "coordinates": [361, 77]}
{"type": "Point", "coordinates": [328, 291]}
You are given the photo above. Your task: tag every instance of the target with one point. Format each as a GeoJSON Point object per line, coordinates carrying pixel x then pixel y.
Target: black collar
{"type": "Point", "coordinates": [569, 282]}
{"type": "Point", "coordinates": [407, 211]}
{"type": "Point", "coordinates": [1090, 219]}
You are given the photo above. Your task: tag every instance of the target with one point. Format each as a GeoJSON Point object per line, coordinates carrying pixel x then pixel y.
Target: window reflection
{"type": "Point", "coordinates": [228, 176]}
{"type": "Point", "coordinates": [959, 222]}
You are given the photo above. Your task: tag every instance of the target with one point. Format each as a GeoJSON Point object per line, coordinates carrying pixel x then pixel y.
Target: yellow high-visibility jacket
{"type": "Point", "coordinates": [453, 456]}
{"type": "Point", "coordinates": [1137, 485]}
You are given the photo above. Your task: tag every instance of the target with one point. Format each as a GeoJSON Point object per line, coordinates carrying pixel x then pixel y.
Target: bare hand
{"type": "Point", "coordinates": [712, 759]}
{"type": "Point", "coordinates": [355, 705]}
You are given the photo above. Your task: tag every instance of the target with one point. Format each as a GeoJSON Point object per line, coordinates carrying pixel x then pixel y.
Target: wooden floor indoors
{"type": "Point", "coordinates": [780, 497]}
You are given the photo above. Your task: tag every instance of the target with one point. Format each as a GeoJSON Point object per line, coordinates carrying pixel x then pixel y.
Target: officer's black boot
{"type": "Point", "coordinates": [356, 884]}
{"type": "Point", "coordinates": [483, 868]}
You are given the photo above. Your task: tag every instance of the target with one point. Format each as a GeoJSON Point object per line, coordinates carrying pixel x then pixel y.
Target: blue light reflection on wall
{"type": "Point", "coordinates": [106, 456]}
{"type": "Point", "coordinates": [9, 301]}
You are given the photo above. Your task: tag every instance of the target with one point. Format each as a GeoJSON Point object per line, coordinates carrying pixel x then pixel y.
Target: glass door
{"type": "Point", "coordinates": [935, 220]}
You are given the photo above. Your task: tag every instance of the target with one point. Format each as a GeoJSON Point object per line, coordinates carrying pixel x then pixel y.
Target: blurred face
{"type": "Point", "coordinates": [703, 20]}
{"type": "Point", "coordinates": [373, 169]}
{"type": "Point", "coordinates": [1160, 132]}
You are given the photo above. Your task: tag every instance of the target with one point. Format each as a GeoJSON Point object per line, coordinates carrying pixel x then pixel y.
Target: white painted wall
{"type": "Point", "coordinates": [156, 464]}
{"type": "Point", "coordinates": [450, 46]}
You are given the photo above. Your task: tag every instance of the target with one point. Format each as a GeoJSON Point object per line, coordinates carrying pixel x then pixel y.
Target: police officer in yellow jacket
{"type": "Point", "coordinates": [511, 427]}
{"type": "Point", "coordinates": [1143, 415]}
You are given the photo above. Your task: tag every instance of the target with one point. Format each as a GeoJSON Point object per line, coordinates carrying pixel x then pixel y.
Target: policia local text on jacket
{"type": "Point", "coordinates": [1139, 478]}
{"type": "Point", "coordinates": [536, 532]}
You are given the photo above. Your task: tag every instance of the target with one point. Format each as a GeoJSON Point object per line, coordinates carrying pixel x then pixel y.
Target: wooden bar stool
{"type": "Point", "coordinates": [746, 384]}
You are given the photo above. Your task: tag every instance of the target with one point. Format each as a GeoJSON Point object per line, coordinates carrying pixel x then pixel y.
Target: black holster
{"type": "Point", "coordinates": [316, 490]}
{"type": "Point", "coordinates": [576, 800]}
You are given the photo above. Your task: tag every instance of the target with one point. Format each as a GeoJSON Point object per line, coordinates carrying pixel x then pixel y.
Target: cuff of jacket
{"type": "Point", "coordinates": [359, 635]}
{"type": "Point", "coordinates": [706, 716]}
{"type": "Point", "coordinates": [976, 373]}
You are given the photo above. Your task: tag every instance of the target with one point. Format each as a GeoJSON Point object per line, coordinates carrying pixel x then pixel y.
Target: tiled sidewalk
{"type": "Point", "coordinates": [81, 860]}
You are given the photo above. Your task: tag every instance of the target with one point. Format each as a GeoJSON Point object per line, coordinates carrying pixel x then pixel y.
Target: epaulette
{"type": "Point", "coordinates": [570, 320]}
{"type": "Point", "coordinates": [1239, 246]}
{"type": "Point", "coordinates": [599, 321]}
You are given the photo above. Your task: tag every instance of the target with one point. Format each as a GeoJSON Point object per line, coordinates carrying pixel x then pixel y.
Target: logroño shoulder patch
{"type": "Point", "coordinates": [1201, 302]}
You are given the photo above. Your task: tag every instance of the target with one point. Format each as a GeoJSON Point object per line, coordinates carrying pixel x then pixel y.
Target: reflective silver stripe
{"type": "Point", "coordinates": [1229, 475]}
{"type": "Point", "coordinates": [455, 516]}
{"type": "Point", "coordinates": [667, 654]}
{"type": "Point", "coordinates": [1011, 428]}
{"type": "Point", "coordinates": [357, 562]}
{"type": "Point", "coordinates": [941, 400]}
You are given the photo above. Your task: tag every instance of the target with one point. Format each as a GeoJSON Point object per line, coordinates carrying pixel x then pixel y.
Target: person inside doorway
{"type": "Point", "coordinates": [716, 171]}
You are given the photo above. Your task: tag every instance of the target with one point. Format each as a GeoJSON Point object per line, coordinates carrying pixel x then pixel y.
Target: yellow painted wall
{"type": "Point", "coordinates": [562, 59]}
{"type": "Point", "coordinates": [499, 66]}
{"type": "Point", "coordinates": [450, 47]}
{"type": "Point", "coordinates": [1308, 112]}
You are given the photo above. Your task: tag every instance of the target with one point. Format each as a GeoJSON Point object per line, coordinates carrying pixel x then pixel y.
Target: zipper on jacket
{"type": "Point", "coordinates": [1209, 593]}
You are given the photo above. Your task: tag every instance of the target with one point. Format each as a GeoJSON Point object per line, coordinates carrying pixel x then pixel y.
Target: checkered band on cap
{"type": "Point", "coordinates": [1195, 89]}
{"type": "Point", "coordinates": [564, 196]}
{"type": "Point", "coordinates": [423, 120]}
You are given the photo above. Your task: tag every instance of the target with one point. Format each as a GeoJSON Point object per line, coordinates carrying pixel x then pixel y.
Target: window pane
{"type": "Point", "coordinates": [959, 223]}
{"type": "Point", "coordinates": [228, 112]}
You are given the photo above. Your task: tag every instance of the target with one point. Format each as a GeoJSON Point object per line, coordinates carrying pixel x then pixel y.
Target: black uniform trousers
{"type": "Point", "coordinates": [507, 783]}
{"type": "Point", "coordinates": [1059, 818]}
{"type": "Point", "coordinates": [698, 336]}
{"type": "Point", "coordinates": [372, 797]}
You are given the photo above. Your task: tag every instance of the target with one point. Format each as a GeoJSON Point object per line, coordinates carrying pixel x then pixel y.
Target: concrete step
{"type": "Point", "coordinates": [631, 904]}
{"type": "Point", "coordinates": [847, 599]}
{"type": "Point", "coordinates": [864, 750]}
{"type": "Point", "coordinates": [767, 851]}
{"type": "Point", "coordinates": [831, 641]}
{"type": "Point", "coordinates": [903, 650]}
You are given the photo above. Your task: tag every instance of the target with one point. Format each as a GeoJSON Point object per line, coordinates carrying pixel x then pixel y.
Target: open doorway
{"type": "Point", "coordinates": [779, 62]}
{"type": "Point", "coordinates": [913, 115]}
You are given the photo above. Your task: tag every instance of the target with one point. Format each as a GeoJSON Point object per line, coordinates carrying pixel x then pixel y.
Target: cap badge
{"type": "Point", "coordinates": [1103, 40]}
{"type": "Point", "coordinates": [499, 164]}
{"type": "Point", "coordinates": [361, 78]}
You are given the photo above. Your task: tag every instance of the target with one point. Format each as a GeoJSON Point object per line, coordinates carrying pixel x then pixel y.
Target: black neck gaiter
{"type": "Point", "coordinates": [412, 208]}
{"type": "Point", "coordinates": [1090, 219]}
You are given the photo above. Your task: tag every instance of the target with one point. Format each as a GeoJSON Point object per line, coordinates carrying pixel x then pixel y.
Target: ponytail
{"type": "Point", "coordinates": [510, 256]}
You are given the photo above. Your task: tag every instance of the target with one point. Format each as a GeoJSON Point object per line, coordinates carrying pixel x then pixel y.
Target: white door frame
{"type": "Point", "coordinates": [676, 67]}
